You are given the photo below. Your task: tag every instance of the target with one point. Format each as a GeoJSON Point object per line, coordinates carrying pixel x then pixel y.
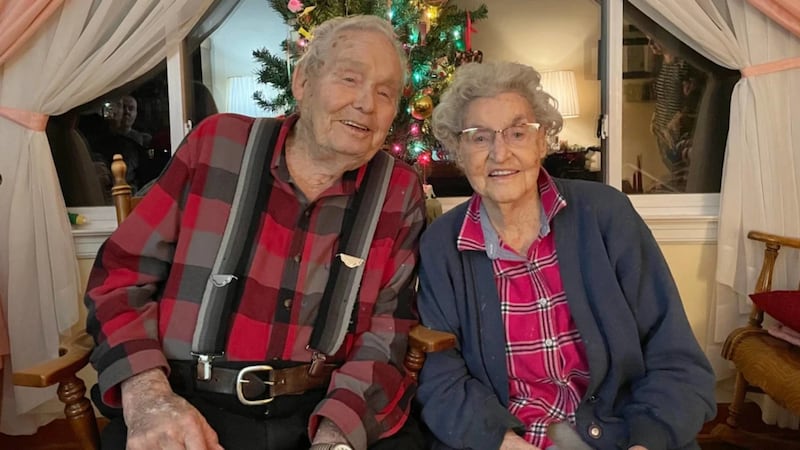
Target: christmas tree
{"type": "Point", "coordinates": [436, 35]}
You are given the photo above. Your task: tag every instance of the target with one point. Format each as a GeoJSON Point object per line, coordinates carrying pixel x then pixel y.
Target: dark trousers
{"type": "Point", "coordinates": [240, 432]}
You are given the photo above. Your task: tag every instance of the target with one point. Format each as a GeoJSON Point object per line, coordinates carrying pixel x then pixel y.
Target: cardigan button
{"type": "Point", "coordinates": [593, 399]}
{"type": "Point", "coordinates": [595, 432]}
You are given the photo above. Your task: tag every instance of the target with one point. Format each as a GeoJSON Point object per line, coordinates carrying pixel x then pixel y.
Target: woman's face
{"type": "Point", "coordinates": [504, 173]}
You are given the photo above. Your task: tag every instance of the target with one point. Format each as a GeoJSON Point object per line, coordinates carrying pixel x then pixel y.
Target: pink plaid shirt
{"type": "Point", "coordinates": [548, 371]}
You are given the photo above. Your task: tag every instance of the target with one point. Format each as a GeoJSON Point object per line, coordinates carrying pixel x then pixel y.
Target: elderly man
{"type": "Point", "coordinates": [296, 364]}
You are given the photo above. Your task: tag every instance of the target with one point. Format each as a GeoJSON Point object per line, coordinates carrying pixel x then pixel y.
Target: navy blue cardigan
{"type": "Point", "coordinates": [650, 383]}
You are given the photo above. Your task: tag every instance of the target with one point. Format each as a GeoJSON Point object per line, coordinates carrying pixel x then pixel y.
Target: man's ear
{"type": "Point", "coordinates": [299, 82]}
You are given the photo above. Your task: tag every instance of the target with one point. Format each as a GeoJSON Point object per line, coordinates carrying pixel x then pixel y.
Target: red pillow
{"type": "Point", "coordinates": [784, 306]}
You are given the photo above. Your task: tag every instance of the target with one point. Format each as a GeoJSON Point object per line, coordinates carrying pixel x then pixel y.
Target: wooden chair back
{"type": "Point", "coordinates": [121, 192]}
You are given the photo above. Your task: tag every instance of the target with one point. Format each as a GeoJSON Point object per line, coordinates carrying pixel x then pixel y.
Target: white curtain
{"type": "Point", "coordinates": [86, 49]}
{"type": "Point", "coordinates": [762, 160]}
{"type": "Point", "coordinates": [240, 95]}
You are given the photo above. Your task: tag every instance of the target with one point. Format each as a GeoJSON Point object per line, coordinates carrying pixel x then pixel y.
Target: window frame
{"type": "Point", "coordinates": [673, 218]}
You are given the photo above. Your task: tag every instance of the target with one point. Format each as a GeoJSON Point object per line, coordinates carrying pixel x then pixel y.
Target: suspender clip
{"type": "Point", "coordinates": [317, 362]}
{"type": "Point", "coordinates": [203, 369]}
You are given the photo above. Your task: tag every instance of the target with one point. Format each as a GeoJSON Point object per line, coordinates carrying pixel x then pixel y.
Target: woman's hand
{"type": "Point", "coordinates": [512, 441]}
{"type": "Point", "coordinates": [159, 419]}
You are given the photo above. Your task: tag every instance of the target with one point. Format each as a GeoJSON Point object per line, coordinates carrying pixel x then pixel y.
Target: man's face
{"type": "Point", "coordinates": [348, 107]}
{"type": "Point", "coordinates": [128, 112]}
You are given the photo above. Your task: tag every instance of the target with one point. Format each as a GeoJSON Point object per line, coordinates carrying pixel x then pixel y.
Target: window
{"type": "Point", "coordinates": [675, 109]}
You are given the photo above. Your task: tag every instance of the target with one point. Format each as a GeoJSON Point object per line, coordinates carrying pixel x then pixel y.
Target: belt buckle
{"type": "Point", "coordinates": [240, 381]}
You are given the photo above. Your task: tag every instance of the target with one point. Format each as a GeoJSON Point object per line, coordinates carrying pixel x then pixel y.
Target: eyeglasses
{"type": "Point", "coordinates": [480, 139]}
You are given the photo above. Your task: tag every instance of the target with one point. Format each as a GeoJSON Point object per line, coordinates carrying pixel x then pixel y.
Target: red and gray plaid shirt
{"type": "Point", "coordinates": [547, 367]}
{"type": "Point", "coordinates": [145, 289]}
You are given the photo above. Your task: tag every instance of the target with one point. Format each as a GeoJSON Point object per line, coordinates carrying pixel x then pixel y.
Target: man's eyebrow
{"type": "Point", "coordinates": [346, 63]}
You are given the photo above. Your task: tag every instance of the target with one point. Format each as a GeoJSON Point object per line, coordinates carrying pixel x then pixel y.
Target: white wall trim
{"type": "Point", "coordinates": [101, 221]}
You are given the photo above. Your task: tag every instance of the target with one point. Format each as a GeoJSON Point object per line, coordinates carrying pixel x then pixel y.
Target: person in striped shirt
{"type": "Point", "coordinates": [145, 290]}
{"type": "Point", "coordinates": [570, 330]}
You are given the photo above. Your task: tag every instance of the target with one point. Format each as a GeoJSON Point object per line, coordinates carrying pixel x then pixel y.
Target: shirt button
{"type": "Point", "coordinates": [307, 213]}
{"type": "Point", "coordinates": [595, 432]}
{"type": "Point", "coordinates": [287, 303]}
{"type": "Point", "coordinates": [542, 302]}
{"type": "Point", "coordinates": [549, 343]}
{"type": "Point", "coordinates": [296, 258]}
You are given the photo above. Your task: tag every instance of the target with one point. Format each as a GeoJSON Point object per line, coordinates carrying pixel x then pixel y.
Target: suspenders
{"type": "Point", "coordinates": [222, 289]}
{"type": "Point", "coordinates": [339, 300]}
{"type": "Point", "coordinates": [231, 263]}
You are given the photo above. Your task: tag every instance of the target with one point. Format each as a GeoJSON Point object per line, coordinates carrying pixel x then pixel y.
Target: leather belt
{"type": "Point", "coordinates": [256, 384]}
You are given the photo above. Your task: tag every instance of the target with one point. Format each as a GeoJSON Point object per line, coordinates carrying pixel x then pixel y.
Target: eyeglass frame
{"type": "Point", "coordinates": [502, 132]}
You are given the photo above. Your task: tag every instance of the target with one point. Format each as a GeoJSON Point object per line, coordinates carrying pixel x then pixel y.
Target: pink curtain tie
{"type": "Point", "coordinates": [771, 67]}
{"type": "Point", "coordinates": [28, 119]}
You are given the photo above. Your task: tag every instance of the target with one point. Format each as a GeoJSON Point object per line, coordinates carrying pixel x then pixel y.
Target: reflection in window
{"type": "Point", "coordinates": [676, 105]}
{"type": "Point", "coordinates": [132, 121]}
{"type": "Point", "coordinates": [223, 68]}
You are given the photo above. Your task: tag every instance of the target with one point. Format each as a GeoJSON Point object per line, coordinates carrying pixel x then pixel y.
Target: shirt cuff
{"type": "Point", "coordinates": [112, 376]}
{"type": "Point", "coordinates": [348, 422]}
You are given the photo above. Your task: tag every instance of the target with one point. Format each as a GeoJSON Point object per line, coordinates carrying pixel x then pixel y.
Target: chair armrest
{"type": "Point", "coordinates": [422, 340]}
{"type": "Point", "coordinates": [74, 355]}
{"type": "Point", "coordinates": [774, 239]}
{"type": "Point", "coordinates": [426, 340]}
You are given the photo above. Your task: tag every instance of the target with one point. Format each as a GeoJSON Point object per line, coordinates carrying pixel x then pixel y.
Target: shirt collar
{"type": "Point", "coordinates": [477, 233]}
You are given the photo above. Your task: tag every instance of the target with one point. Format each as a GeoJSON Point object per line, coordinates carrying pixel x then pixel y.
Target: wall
{"type": "Point", "coordinates": [693, 266]}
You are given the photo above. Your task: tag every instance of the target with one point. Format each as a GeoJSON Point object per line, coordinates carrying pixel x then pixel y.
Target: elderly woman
{"type": "Point", "coordinates": [571, 333]}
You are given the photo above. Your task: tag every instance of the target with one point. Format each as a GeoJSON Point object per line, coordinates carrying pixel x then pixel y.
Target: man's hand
{"type": "Point", "coordinates": [329, 433]}
{"type": "Point", "coordinates": [157, 418]}
{"type": "Point", "coordinates": [512, 441]}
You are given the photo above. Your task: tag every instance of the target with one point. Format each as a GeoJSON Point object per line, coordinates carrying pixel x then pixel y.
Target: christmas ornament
{"type": "Point", "coordinates": [468, 57]}
{"type": "Point", "coordinates": [422, 108]}
{"type": "Point", "coordinates": [470, 30]}
{"type": "Point", "coordinates": [295, 6]}
{"type": "Point", "coordinates": [437, 3]}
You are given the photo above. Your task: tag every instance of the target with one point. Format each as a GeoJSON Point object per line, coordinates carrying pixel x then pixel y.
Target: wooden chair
{"type": "Point", "coordinates": [74, 354]}
{"type": "Point", "coordinates": [763, 363]}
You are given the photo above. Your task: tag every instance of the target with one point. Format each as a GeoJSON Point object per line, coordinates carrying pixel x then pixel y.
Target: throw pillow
{"type": "Point", "coordinates": [784, 306]}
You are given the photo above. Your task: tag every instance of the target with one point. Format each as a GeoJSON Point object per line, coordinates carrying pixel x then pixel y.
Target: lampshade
{"type": "Point", "coordinates": [561, 85]}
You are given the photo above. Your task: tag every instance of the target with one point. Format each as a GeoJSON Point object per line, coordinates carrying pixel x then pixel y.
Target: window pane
{"type": "Point", "coordinates": [676, 105]}
{"type": "Point", "coordinates": [223, 68]}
